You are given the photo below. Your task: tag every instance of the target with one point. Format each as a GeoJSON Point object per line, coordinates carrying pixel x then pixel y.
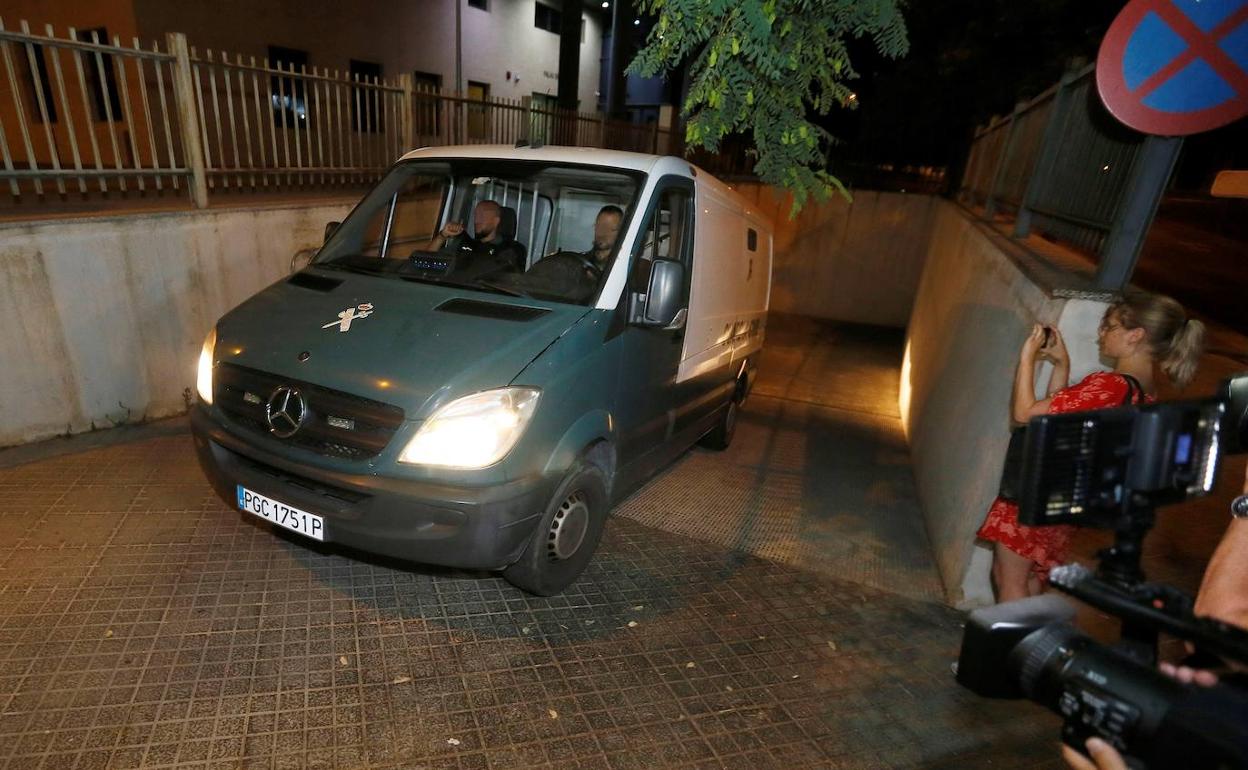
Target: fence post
{"type": "Point", "coordinates": [1050, 147]}
{"type": "Point", "coordinates": [990, 203]}
{"type": "Point", "coordinates": [966, 193]}
{"type": "Point", "coordinates": [188, 117]}
{"type": "Point", "coordinates": [602, 130]}
{"type": "Point", "coordinates": [526, 104]}
{"type": "Point", "coordinates": [1149, 175]}
{"type": "Point", "coordinates": [461, 134]}
{"type": "Point", "coordinates": [407, 101]}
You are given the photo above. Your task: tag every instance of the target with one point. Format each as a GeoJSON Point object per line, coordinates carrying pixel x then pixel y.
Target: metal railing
{"type": "Point", "coordinates": [266, 125]}
{"type": "Point", "coordinates": [1063, 167]}
{"type": "Point", "coordinates": [88, 113]}
{"type": "Point", "coordinates": [443, 118]}
{"type": "Point", "coordinates": [89, 120]}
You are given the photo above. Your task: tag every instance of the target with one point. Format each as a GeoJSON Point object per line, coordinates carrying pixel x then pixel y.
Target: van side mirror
{"type": "Point", "coordinates": [301, 259]}
{"type": "Point", "coordinates": [664, 300]}
{"type": "Point", "coordinates": [330, 227]}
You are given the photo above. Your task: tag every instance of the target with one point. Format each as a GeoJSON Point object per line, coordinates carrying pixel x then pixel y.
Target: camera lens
{"type": "Point", "coordinates": [1030, 659]}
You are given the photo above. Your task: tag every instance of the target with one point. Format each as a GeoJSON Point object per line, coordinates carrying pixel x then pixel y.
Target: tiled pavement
{"type": "Point", "coordinates": [819, 473]}
{"type": "Point", "coordinates": [143, 623]}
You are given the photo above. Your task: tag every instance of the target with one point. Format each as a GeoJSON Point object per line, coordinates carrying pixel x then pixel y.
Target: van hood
{"type": "Point", "coordinates": [413, 345]}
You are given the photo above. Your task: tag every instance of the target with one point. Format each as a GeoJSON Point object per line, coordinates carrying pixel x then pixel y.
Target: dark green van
{"type": "Point", "coordinates": [493, 347]}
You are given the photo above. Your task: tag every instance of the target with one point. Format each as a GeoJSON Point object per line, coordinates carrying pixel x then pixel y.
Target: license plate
{"type": "Point", "coordinates": [281, 514]}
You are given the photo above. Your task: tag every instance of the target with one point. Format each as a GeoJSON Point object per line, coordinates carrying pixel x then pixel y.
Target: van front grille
{"type": "Point", "coordinates": [337, 424]}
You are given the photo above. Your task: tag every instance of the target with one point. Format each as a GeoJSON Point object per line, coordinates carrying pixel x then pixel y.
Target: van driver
{"type": "Point", "coordinates": [576, 274]}
{"type": "Point", "coordinates": [606, 232]}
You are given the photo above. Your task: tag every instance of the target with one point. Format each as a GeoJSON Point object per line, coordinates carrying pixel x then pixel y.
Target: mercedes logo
{"type": "Point", "coordinates": [285, 411]}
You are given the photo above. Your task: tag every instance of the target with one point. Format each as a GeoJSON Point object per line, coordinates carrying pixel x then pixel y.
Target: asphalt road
{"type": "Point", "coordinates": [1197, 252]}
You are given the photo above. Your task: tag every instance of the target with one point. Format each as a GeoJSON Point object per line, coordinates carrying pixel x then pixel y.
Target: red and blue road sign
{"type": "Point", "coordinates": [1175, 67]}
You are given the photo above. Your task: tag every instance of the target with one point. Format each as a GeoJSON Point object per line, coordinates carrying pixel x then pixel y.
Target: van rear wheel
{"type": "Point", "coordinates": [565, 537]}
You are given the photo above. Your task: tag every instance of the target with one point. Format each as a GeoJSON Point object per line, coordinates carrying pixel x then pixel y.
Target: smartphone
{"type": "Point", "coordinates": [1048, 336]}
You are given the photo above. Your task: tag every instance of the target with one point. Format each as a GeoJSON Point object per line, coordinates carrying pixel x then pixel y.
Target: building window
{"type": "Point", "coordinates": [366, 103]}
{"type": "Point", "coordinates": [482, 4]}
{"type": "Point", "coordinates": [37, 83]}
{"type": "Point", "coordinates": [428, 104]}
{"type": "Point", "coordinates": [547, 18]}
{"type": "Point", "coordinates": [286, 93]}
{"type": "Point", "coordinates": [105, 100]}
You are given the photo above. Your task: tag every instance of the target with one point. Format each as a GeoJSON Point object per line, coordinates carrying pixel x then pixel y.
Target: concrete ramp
{"type": "Point", "coordinates": [818, 476]}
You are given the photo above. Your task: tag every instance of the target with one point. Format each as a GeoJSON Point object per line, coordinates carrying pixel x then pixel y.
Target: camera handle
{"type": "Point", "coordinates": [1120, 569]}
{"type": "Point", "coordinates": [1146, 609]}
{"type": "Point", "coordinates": [1120, 563]}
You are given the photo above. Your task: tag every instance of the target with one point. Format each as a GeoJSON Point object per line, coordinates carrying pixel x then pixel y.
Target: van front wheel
{"type": "Point", "coordinates": [565, 537]}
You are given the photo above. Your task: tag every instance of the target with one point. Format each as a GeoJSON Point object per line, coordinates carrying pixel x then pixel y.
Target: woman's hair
{"type": "Point", "coordinates": [1177, 341]}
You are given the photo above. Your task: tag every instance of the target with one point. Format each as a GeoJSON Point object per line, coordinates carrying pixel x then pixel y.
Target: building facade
{"type": "Point", "coordinates": [510, 48]}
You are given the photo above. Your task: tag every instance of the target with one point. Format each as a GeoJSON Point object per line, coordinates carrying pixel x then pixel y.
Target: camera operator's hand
{"type": "Point", "coordinates": [1187, 675]}
{"type": "Point", "coordinates": [1223, 592]}
{"type": "Point", "coordinates": [1104, 757]}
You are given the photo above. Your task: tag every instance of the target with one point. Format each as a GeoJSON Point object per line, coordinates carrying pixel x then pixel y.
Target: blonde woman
{"type": "Point", "coordinates": [1141, 333]}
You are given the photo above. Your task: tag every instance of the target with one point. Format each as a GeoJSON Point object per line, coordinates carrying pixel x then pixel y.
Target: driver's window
{"type": "Point", "coordinates": [664, 236]}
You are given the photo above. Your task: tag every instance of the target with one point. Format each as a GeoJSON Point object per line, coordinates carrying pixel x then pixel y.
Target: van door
{"type": "Point", "coordinates": [648, 400]}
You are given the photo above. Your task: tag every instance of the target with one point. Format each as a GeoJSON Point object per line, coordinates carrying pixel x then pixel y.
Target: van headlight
{"type": "Point", "coordinates": [473, 431]}
{"type": "Point", "coordinates": [203, 377]}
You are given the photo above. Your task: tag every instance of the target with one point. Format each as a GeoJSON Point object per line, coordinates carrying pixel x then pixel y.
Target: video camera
{"type": "Point", "coordinates": [1111, 469]}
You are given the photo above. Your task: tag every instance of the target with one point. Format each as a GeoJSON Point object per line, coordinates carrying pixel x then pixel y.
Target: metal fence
{"type": "Point", "coordinates": [88, 113]}
{"type": "Point", "coordinates": [262, 125]}
{"type": "Point", "coordinates": [1061, 166]}
{"type": "Point", "coordinates": [443, 118]}
{"type": "Point", "coordinates": [86, 119]}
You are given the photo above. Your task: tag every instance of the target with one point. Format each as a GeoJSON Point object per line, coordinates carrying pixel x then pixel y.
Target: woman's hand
{"type": "Point", "coordinates": [1056, 350]}
{"type": "Point", "coordinates": [1032, 344]}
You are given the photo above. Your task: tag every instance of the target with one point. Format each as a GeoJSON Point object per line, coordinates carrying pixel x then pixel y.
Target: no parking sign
{"type": "Point", "coordinates": [1175, 67]}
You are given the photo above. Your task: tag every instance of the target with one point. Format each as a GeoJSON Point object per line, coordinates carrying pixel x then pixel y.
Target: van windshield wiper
{"type": "Point", "coordinates": [503, 289]}
{"type": "Point", "coordinates": [438, 281]}
{"type": "Point", "coordinates": [345, 268]}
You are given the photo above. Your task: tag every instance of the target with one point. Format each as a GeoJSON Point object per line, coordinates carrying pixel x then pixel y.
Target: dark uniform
{"type": "Point", "coordinates": [481, 257]}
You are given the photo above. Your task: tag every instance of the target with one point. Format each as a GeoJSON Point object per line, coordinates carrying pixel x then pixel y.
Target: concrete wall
{"type": "Point", "coordinates": [974, 308]}
{"type": "Point", "coordinates": [105, 316]}
{"type": "Point", "coordinates": [858, 261]}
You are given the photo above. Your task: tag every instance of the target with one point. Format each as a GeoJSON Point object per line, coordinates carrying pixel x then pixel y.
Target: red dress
{"type": "Point", "coordinates": [1048, 547]}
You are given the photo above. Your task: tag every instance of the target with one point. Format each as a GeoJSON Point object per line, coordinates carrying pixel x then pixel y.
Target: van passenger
{"type": "Point", "coordinates": [493, 238]}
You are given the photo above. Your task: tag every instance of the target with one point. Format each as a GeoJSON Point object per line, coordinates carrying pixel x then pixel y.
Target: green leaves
{"type": "Point", "coordinates": [759, 66]}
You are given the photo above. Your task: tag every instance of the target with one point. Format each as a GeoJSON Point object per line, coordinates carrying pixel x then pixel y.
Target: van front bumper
{"type": "Point", "coordinates": [454, 526]}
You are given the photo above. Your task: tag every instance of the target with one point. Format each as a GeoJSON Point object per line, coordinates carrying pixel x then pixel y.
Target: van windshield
{"type": "Point", "coordinates": [546, 231]}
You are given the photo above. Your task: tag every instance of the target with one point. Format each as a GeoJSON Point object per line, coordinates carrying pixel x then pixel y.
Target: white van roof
{"type": "Point", "coordinates": [658, 165]}
{"type": "Point", "coordinates": [592, 156]}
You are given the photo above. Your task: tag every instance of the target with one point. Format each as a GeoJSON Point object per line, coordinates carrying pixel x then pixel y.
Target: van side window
{"type": "Point", "coordinates": [665, 235]}
{"type": "Point", "coordinates": [665, 232]}
{"type": "Point", "coordinates": [751, 239]}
